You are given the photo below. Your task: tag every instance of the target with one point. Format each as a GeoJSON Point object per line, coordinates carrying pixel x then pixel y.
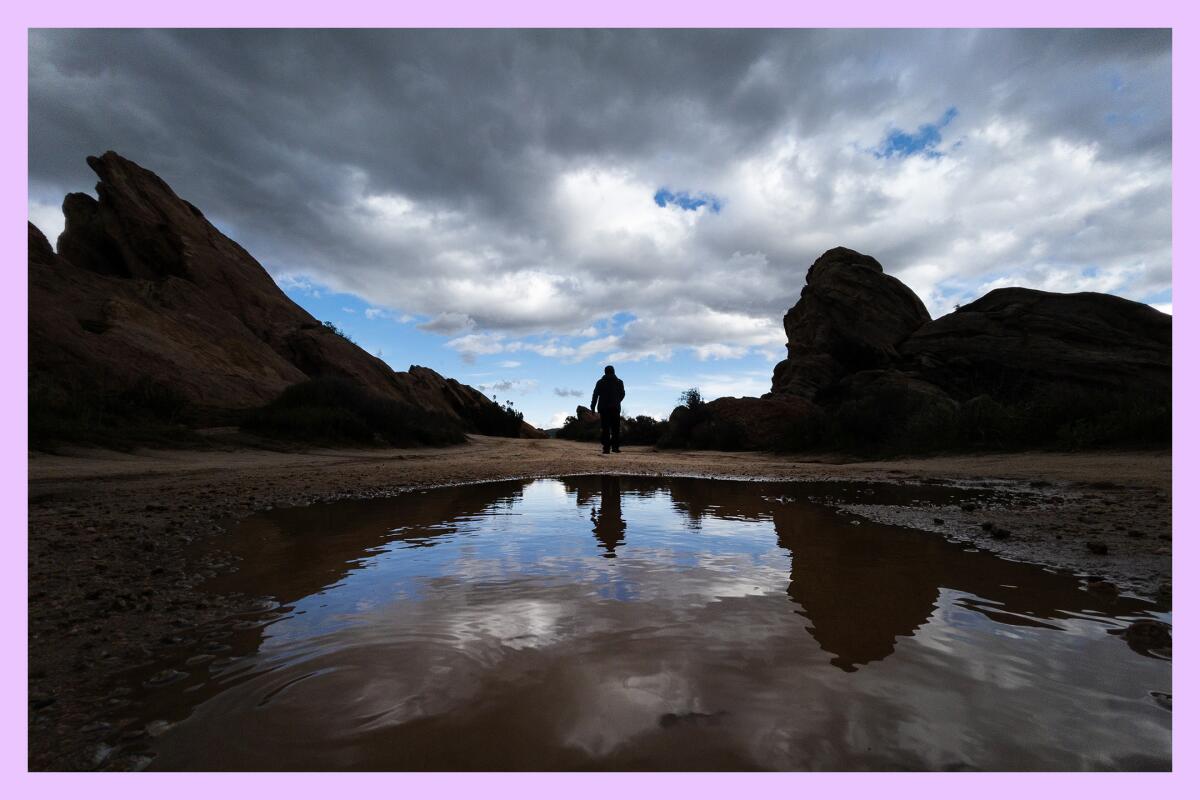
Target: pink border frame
{"type": "Point", "coordinates": [615, 13]}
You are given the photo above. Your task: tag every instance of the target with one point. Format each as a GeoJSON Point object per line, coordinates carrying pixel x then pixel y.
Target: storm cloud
{"type": "Point", "coordinates": [515, 189]}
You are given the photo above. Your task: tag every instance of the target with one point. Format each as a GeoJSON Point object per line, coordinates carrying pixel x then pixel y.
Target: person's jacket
{"type": "Point", "coordinates": [609, 393]}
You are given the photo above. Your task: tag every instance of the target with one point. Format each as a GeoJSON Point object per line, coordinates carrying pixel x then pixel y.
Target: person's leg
{"type": "Point", "coordinates": [605, 431]}
{"type": "Point", "coordinates": [615, 437]}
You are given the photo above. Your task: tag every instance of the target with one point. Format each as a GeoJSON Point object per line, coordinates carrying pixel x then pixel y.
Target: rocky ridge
{"type": "Point", "coordinates": [145, 299]}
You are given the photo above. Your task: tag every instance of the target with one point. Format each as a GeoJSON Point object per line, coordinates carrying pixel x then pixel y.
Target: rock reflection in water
{"type": "Point", "coordinates": [639, 623]}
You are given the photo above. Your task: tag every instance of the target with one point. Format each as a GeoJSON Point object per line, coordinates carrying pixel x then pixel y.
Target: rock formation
{"type": "Point", "coordinates": [850, 316]}
{"type": "Point", "coordinates": [1011, 342]}
{"type": "Point", "coordinates": [144, 291]}
{"type": "Point", "coordinates": [864, 356]}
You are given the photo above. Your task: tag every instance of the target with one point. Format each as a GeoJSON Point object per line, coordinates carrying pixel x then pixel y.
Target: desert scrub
{"type": "Point", "coordinates": [336, 411]}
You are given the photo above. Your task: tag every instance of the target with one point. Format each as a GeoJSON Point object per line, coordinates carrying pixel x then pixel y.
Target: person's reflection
{"type": "Point", "coordinates": [610, 528]}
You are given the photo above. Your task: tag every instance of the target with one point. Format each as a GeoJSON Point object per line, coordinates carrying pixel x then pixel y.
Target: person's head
{"type": "Point", "coordinates": [609, 370]}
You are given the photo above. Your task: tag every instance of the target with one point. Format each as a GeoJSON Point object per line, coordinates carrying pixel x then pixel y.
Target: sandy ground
{"type": "Point", "coordinates": [114, 570]}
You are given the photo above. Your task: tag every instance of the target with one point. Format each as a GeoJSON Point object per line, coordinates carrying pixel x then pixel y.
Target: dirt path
{"type": "Point", "coordinates": [112, 578]}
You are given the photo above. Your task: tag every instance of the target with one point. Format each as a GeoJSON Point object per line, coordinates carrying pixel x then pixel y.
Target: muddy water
{"type": "Point", "coordinates": [636, 623]}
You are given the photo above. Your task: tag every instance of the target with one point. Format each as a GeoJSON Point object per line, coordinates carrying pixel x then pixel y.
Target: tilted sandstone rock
{"type": "Point", "coordinates": [144, 288]}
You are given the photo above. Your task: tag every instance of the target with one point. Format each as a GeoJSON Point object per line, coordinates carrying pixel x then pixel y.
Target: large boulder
{"type": "Point", "coordinates": [761, 423]}
{"type": "Point", "coordinates": [851, 316]}
{"type": "Point", "coordinates": [1013, 343]}
{"type": "Point", "coordinates": [145, 292]}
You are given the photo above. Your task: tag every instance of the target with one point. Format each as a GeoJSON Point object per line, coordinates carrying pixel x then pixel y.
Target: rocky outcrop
{"type": "Point", "coordinates": [851, 316]}
{"type": "Point", "coordinates": [1014, 342]}
{"type": "Point", "coordinates": [867, 367]}
{"type": "Point", "coordinates": [144, 290]}
{"type": "Point", "coordinates": [465, 402]}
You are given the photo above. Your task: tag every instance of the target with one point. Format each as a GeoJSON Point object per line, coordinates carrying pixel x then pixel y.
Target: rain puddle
{"type": "Point", "coordinates": [632, 623]}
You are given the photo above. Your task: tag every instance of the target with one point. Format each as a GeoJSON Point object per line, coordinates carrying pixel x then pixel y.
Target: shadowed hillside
{"type": "Point", "coordinates": [148, 320]}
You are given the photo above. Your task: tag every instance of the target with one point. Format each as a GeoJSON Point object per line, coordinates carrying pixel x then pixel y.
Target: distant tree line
{"type": "Point", "coordinates": [1058, 417]}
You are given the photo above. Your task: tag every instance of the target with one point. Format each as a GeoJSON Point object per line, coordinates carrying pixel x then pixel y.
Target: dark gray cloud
{"type": "Point", "coordinates": [502, 182]}
{"type": "Point", "coordinates": [568, 392]}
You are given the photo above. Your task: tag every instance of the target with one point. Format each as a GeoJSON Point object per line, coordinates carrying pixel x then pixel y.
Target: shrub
{"type": "Point", "coordinates": [81, 411]}
{"type": "Point", "coordinates": [809, 432]}
{"type": "Point", "coordinates": [336, 331]}
{"type": "Point", "coordinates": [1126, 419]}
{"type": "Point", "coordinates": [337, 411]}
{"type": "Point", "coordinates": [634, 430]}
{"type": "Point", "coordinates": [893, 418]}
{"type": "Point", "coordinates": [494, 419]}
{"type": "Point", "coordinates": [642, 429]}
{"type": "Point", "coordinates": [691, 413]}
{"type": "Point", "coordinates": [580, 430]}
{"type": "Point", "coordinates": [716, 434]}
{"type": "Point", "coordinates": [985, 422]}
{"type": "Point", "coordinates": [691, 399]}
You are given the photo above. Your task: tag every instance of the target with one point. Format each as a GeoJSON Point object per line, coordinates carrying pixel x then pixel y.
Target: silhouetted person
{"type": "Point", "coordinates": [610, 527]}
{"type": "Point", "coordinates": [609, 392]}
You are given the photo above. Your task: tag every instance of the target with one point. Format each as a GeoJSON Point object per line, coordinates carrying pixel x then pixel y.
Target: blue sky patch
{"type": "Point", "coordinates": [923, 142]}
{"type": "Point", "coordinates": [686, 200]}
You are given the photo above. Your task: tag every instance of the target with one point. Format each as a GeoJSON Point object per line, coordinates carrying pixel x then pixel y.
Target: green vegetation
{"type": "Point", "coordinates": [889, 420]}
{"type": "Point", "coordinates": [1058, 417]}
{"type": "Point", "coordinates": [691, 426]}
{"type": "Point", "coordinates": [335, 411]}
{"type": "Point", "coordinates": [634, 430]}
{"type": "Point", "coordinates": [335, 330]}
{"type": "Point", "coordinates": [496, 419]}
{"type": "Point", "coordinates": [642, 429]}
{"type": "Point", "coordinates": [148, 414]}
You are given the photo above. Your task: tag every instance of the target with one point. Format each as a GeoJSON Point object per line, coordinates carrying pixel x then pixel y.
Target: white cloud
{"type": "Point", "coordinates": [448, 323]}
{"type": "Point", "coordinates": [297, 283]}
{"type": "Point", "coordinates": [714, 385]}
{"type": "Point", "coordinates": [521, 217]}
{"type": "Point", "coordinates": [509, 386]}
{"type": "Point", "coordinates": [473, 345]}
{"type": "Point", "coordinates": [48, 218]}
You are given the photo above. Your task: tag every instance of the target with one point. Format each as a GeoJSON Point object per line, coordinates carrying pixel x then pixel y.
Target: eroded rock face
{"type": "Point", "coordinates": [144, 288]}
{"type": "Point", "coordinates": [851, 316]}
{"type": "Point", "coordinates": [866, 363]}
{"type": "Point", "coordinates": [1013, 342]}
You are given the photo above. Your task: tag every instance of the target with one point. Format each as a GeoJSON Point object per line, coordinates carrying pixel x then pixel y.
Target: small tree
{"type": "Point", "coordinates": [691, 398]}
